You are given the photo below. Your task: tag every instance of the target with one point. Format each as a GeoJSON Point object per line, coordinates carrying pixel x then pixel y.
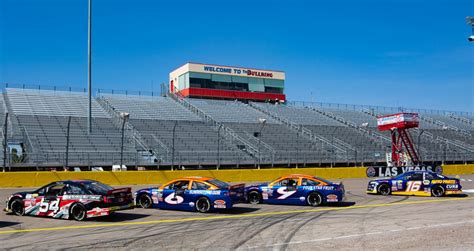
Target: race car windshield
{"type": "Point", "coordinates": [97, 188]}
{"type": "Point", "coordinates": [400, 177]}
{"type": "Point", "coordinates": [219, 184]}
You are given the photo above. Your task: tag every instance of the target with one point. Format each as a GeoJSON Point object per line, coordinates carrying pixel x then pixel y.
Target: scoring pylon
{"type": "Point", "coordinates": [402, 142]}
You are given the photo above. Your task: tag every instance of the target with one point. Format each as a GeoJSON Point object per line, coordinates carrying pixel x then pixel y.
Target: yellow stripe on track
{"type": "Point", "coordinates": [222, 217]}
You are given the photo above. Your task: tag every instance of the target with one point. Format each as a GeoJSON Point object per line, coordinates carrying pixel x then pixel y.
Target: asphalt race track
{"type": "Point", "coordinates": [363, 222]}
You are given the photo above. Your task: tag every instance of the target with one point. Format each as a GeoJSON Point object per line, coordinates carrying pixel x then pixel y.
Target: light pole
{"type": "Point", "coordinates": [332, 147]}
{"type": "Point", "coordinates": [66, 167]}
{"type": "Point", "coordinates": [5, 135]}
{"type": "Point", "coordinates": [297, 144]}
{"type": "Point", "coordinates": [124, 116]}
{"type": "Point", "coordinates": [89, 65]}
{"type": "Point", "coordinates": [218, 146]}
{"type": "Point", "coordinates": [445, 129]}
{"type": "Point", "coordinates": [419, 143]}
{"type": "Point", "coordinates": [172, 152]}
{"type": "Point", "coordinates": [470, 22]}
{"type": "Point", "coordinates": [261, 121]}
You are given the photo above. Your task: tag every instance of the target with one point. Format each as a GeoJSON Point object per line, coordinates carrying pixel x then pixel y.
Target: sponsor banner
{"type": "Point", "coordinates": [235, 71]}
{"type": "Point", "coordinates": [384, 171]}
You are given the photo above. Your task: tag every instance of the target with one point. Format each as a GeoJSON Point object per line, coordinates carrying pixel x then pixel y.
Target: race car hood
{"type": "Point", "coordinates": [144, 190]}
{"type": "Point", "coordinates": [382, 180]}
{"type": "Point", "coordinates": [22, 194]}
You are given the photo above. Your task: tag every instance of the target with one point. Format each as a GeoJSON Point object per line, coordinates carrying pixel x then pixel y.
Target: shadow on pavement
{"type": "Point", "coordinates": [8, 224]}
{"type": "Point", "coordinates": [117, 217]}
{"type": "Point", "coordinates": [463, 195]}
{"type": "Point", "coordinates": [238, 210]}
{"type": "Point", "coordinates": [341, 204]}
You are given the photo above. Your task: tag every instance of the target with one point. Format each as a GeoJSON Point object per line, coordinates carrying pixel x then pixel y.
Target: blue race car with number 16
{"type": "Point", "coordinates": [421, 183]}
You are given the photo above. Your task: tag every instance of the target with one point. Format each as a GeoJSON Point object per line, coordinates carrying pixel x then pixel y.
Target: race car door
{"type": "Point", "coordinates": [49, 204]}
{"type": "Point", "coordinates": [174, 195]}
{"type": "Point", "coordinates": [284, 191]}
{"type": "Point", "coordinates": [413, 184]}
{"type": "Point", "coordinates": [34, 202]}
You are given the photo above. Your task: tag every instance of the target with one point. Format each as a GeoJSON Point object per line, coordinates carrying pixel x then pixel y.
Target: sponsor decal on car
{"type": "Point", "coordinates": [443, 182]}
{"type": "Point", "coordinates": [219, 204]}
{"type": "Point", "coordinates": [318, 188]}
{"type": "Point", "coordinates": [455, 187]}
{"type": "Point", "coordinates": [331, 198]}
{"type": "Point", "coordinates": [82, 197]}
{"type": "Point", "coordinates": [426, 182]}
{"type": "Point", "coordinates": [206, 192]}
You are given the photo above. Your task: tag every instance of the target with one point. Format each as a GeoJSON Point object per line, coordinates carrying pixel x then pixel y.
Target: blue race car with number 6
{"type": "Point", "coordinates": [296, 189]}
{"type": "Point", "coordinates": [200, 194]}
{"type": "Point", "coordinates": [422, 183]}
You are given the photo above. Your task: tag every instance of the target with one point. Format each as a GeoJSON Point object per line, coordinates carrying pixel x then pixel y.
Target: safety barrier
{"type": "Point", "coordinates": [458, 169]}
{"type": "Point", "coordinates": [35, 179]}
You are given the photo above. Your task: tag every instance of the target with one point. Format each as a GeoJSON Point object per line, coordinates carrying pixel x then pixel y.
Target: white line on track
{"type": "Point", "coordinates": [468, 190]}
{"type": "Point", "coordinates": [360, 235]}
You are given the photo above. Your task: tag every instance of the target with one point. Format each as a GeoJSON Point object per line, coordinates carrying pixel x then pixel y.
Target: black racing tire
{"type": "Point", "coordinates": [384, 189]}
{"type": "Point", "coordinates": [314, 199]}
{"type": "Point", "coordinates": [144, 201]}
{"type": "Point", "coordinates": [254, 197]}
{"type": "Point", "coordinates": [78, 212]}
{"type": "Point", "coordinates": [16, 205]}
{"type": "Point", "coordinates": [437, 191]}
{"type": "Point", "coordinates": [203, 205]}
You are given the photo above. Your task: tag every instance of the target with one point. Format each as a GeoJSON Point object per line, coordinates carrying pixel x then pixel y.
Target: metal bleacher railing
{"type": "Point", "coordinates": [38, 114]}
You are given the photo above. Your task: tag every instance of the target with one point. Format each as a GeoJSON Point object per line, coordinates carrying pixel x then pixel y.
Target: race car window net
{"type": "Point", "coordinates": [97, 188]}
{"type": "Point", "coordinates": [76, 190]}
{"type": "Point", "coordinates": [287, 182]}
{"type": "Point", "coordinates": [429, 176]}
{"type": "Point", "coordinates": [219, 184]}
{"type": "Point", "coordinates": [182, 185]}
{"type": "Point", "coordinates": [55, 190]}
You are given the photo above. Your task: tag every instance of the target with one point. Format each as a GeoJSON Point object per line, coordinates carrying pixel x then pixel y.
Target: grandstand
{"type": "Point", "coordinates": [194, 133]}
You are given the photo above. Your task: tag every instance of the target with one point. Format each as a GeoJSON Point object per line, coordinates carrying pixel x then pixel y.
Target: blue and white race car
{"type": "Point", "coordinates": [200, 194]}
{"type": "Point", "coordinates": [296, 189]}
{"type": "Point", "coordinates": [422, 183]}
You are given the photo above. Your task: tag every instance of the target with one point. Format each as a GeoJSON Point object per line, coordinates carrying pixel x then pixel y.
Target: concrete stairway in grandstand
{"type": "Point", "coordinates": [332, 130]}
{"type": "Point", "coordinates": [195, 141]}
{"type": "Point", "coordinates": [283, 144]}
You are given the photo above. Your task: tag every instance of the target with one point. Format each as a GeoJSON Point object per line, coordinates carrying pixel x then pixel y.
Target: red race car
{"type": "Point", "coordinates": [71, 199]}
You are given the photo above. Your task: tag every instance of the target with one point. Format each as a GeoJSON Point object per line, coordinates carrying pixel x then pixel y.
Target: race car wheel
{"type": "Point", "coordinates": [17, 207]}
{"type": "Point", "coordinates": [203, 205]}
{"type": "Point", "coordinates": [437, 191]}
{"type": "Point", "coordinates": [314, 199]}
{"type": "Point", "coordinates": [254, 197]}
{"type": "Point", "coordinates": [144, 201]}
{"type": "Point", "coordinates": [78, 212]}
{"type": "Point", "coordinates": [384, 189]}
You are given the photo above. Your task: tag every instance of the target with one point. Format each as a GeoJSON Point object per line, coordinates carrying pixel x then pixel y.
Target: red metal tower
{"type": "Point", "coordinates": [398, 124]}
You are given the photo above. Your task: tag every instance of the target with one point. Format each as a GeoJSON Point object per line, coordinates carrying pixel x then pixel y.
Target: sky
{"type": "Point", "coordinates": [408, 53]}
